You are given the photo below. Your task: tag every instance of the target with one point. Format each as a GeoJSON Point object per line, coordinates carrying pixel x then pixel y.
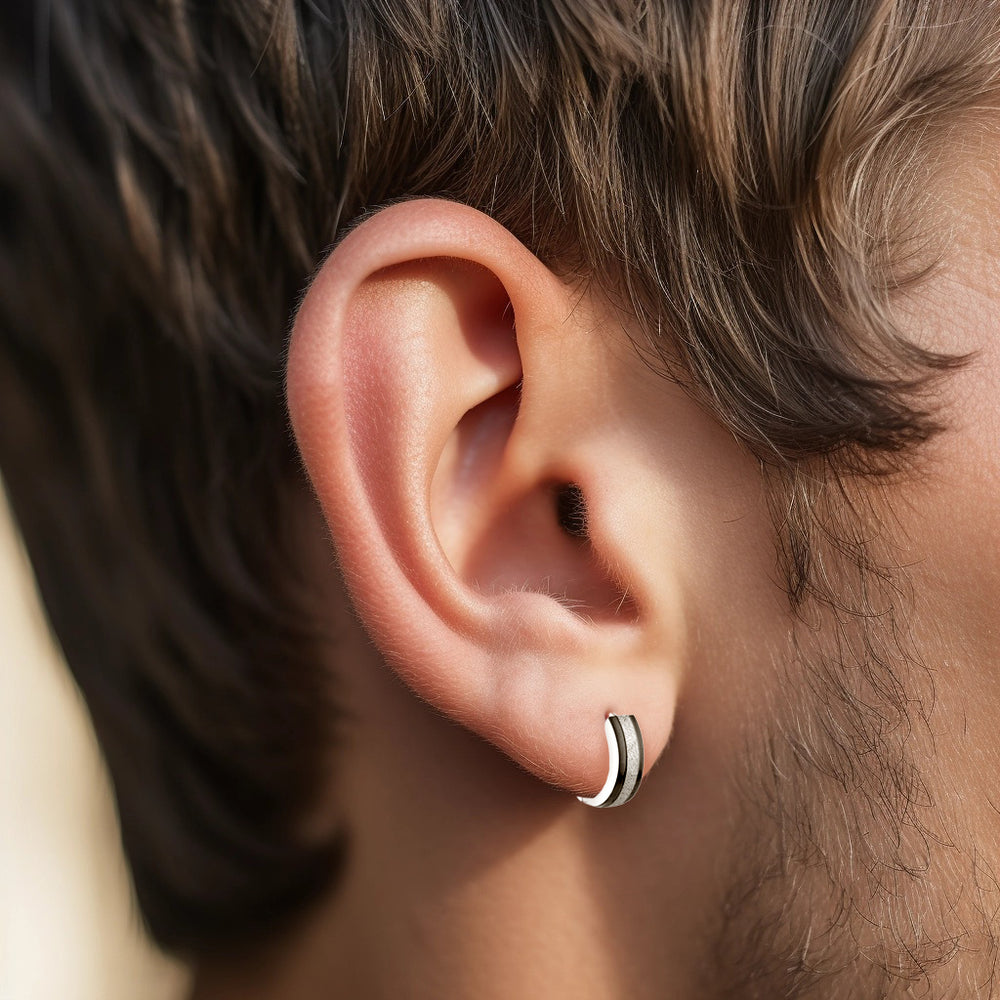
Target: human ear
{"type": "Point", "coordinates": [450, 403]}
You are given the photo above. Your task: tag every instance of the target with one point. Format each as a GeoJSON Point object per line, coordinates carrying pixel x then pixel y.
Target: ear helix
{"type": "Point", "coordinates": [625, 762]}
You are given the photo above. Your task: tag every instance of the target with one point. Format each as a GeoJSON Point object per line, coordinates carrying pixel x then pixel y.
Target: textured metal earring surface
{"type": "Point", "coordinates": [625, 760]}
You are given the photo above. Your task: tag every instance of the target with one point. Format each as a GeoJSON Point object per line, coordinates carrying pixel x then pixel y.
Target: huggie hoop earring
{"type": "Point", "coordinates": [625, 760]}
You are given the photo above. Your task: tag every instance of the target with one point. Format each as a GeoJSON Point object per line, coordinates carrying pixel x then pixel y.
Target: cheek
{"type": "Point", "coordinates": [949, 509]}
{"type": "Point", "coordinates": [721, 547]}
{"type": "Point", "coordinates": [945, 517]}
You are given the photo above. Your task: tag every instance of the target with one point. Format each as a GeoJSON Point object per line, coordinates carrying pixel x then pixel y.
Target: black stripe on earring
{"type": "Point", "coordinates": [634, 758]}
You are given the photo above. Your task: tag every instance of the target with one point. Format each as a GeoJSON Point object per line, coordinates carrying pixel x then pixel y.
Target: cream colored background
{"type": "Point", "coordinates": [67, 924]}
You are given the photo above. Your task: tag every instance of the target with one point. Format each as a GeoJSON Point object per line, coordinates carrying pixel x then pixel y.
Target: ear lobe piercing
{"type": "Point", "coordinates": [625, 760]}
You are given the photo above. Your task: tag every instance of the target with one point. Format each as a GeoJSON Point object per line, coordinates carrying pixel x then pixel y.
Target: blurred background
{"type": "Point", "coordinates": [68, 926]}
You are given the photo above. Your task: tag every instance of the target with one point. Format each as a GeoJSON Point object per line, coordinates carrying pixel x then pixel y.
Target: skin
{"type": "Point", "coordinates": [785, 843]}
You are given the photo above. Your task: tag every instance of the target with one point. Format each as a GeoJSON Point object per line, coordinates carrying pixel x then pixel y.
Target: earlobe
{"type": "Point", "coordinates": [443, 402]}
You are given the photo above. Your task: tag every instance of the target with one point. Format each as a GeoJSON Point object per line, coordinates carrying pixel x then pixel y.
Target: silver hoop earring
{"type": "Point", "coordinates": [625, 760]}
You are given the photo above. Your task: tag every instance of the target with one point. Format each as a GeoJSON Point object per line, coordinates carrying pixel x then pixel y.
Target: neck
{"type": "Point", "coordinates": [467, 877]}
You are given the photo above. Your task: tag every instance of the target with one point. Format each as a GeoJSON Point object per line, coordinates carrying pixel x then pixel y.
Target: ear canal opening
{"type": "Point", "coordinates": [571, 510]}
{"type": "Point", "coordinates": [599, 596]}
{"type": "Point", "coordinates": [535, 540]}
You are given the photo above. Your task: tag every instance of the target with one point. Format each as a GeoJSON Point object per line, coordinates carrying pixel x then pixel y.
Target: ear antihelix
{"type": "Point", "coordinates": [625, 763]}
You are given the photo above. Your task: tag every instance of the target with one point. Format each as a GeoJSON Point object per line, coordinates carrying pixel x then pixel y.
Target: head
{"type": "Point", "coordinates": [562, 358]}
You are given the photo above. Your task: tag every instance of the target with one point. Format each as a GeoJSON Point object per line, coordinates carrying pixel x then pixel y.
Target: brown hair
{"type": "Point", "coordinates": [743, 176]}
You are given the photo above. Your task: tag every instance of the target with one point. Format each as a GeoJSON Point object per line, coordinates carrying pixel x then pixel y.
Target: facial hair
{"type": "Point", "coordinates": [857, 875]}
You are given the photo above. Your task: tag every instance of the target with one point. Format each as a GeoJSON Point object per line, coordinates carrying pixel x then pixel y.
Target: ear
{"type": "Point", "coordinates": [454, 404]}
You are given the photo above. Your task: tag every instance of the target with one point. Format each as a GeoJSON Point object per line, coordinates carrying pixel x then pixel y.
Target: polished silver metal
{"type": "Point", "coordinates": [625, 763]}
